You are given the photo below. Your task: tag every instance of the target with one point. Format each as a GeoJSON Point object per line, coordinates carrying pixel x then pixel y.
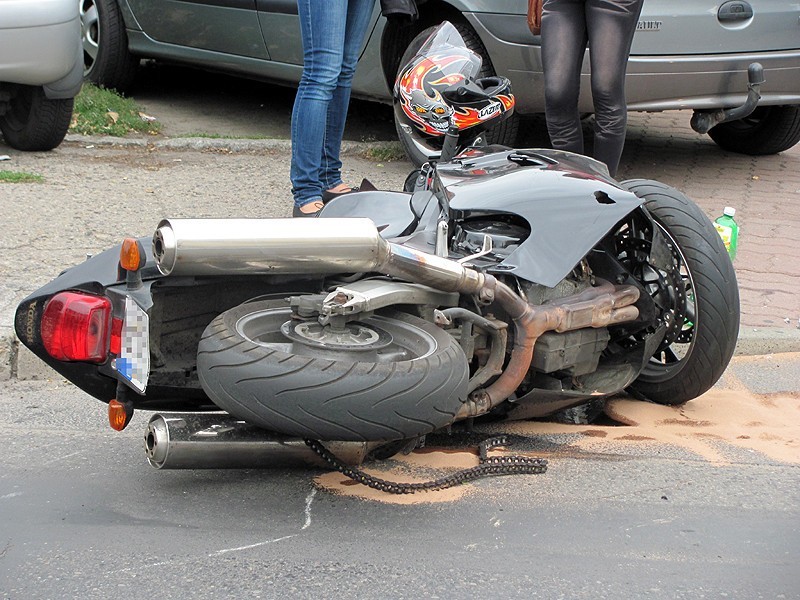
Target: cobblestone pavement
{"type": "Point", "coordinates": [764, 190]}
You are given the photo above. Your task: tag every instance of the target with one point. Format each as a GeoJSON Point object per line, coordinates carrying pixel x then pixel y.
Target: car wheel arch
{"type": "Point", "coordinates": [398, 34]}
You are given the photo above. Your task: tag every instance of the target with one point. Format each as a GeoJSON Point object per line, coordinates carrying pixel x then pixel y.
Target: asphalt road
{"type": "Point", "coordinates": [85, 517]}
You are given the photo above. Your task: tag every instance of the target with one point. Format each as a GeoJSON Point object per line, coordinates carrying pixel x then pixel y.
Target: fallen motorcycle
{"type": "Point", "coordinates": [500, 284]}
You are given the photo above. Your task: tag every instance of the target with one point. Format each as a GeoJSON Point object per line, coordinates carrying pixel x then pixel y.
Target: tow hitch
{"type": "Point", "coordinates": [704, 120]}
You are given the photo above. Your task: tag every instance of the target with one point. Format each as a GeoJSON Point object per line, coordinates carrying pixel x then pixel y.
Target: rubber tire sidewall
{"type": "Point", "coordinates": [776, 131]}
{"type": "Point", "coordinates": [328, 399]}
{"type": "Point", "coordinates": [716, 296]}
{"type": "Point", "coordinates": [33, 122]}
{"type": "Point", "coordinates": [114, 66]}
{"type": "Point", "coordinates": [504, 133]}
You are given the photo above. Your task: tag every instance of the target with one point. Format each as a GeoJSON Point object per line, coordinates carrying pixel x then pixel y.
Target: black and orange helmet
{"type": "Point", "coordinates": [439, 88]}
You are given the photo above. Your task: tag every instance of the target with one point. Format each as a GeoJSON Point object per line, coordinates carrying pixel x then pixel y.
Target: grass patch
{"type": "Point", "coordinates": [385, 152]}
{"type": "Point", "coordinates": [99, 111]}
{"type": "Point", "coordinates": [20, 177]}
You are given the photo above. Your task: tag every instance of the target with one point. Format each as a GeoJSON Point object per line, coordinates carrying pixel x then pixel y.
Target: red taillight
{"type": "Point", "coordinates": [115, 346]}
{"type": "Point", "coordinates": [75, 326]}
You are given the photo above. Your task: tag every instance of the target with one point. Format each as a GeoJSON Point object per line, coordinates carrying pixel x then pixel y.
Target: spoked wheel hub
{"type": "Point", "coordinates": [350, 336]}
{"type": "Point", "coordinates": [669, 287]}
{"type": "Point", "coordinates": [374, 338]}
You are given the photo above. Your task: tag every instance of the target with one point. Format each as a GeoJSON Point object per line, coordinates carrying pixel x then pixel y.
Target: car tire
{"type": "Point", "coordinates": [504, 133]}
{"type": "Point", "coordinates": [32, 121]}
{"type": "Point", "coordinates": [768, 130]}
{"type": "Point", "coordinates": [106, 60]}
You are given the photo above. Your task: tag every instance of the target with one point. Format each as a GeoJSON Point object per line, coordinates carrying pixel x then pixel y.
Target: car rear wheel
{"type": "Point", "coordinates": [768, 130]}
{"type": "Point", "coordinates": [106, 59]}
{"type": "Point", "coordinates": [32, 121]}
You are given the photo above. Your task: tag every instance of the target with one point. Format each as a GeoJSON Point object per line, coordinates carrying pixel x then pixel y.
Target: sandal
{"type": "Point", "coordinates": [328, 195]}
{"type": "Point", "coordinates": [296, 212]}
{"type": "Point", "coordinates": [366, 186]}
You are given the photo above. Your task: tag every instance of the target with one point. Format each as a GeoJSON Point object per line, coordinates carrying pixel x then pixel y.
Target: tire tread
{"type": "Point", "coordinates": [331, 399]}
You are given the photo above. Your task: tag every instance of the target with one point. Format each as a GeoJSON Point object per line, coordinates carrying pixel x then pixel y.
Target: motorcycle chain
{"type": "Point", "coordinates": [489, 466]}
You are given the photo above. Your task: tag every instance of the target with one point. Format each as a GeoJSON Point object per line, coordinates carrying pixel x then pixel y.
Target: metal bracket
{"type": "Point", "coordinates": [488, 246]}
{"type": "Point", "coordinates": [371, 294]}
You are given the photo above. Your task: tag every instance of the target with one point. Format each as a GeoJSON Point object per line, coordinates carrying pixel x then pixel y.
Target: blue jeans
{"type": "Point", "coordinates": [333, 33]}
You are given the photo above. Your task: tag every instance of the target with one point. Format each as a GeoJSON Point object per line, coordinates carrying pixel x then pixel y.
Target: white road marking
{"type": "Point", "coordinates": [309, 499]}
{"type": "Point", "coordinates": [226, 550]}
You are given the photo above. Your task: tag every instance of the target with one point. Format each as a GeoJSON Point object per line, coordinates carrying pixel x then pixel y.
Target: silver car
{"type": "Point", "coordinates": [687, 54]}
{"type": "Point", "coordinates": [41, 71]}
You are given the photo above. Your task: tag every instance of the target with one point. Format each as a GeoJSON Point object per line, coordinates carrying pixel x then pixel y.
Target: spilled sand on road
{"type": "Point", "coordinates": [715, 427]}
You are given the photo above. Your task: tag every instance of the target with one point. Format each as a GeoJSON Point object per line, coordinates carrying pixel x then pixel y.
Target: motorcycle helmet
{"type": "Point", "coordinates": [439, 89]}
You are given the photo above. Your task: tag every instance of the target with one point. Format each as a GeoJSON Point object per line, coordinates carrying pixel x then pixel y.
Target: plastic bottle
{"type": "Point", "coordinates": [728, 230]}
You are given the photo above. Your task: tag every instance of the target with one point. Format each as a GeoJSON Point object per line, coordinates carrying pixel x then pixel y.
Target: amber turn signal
{"type": "Point", "coordinates": [131, 255]}
{"type": "Point", "coordinates": [119, 414]}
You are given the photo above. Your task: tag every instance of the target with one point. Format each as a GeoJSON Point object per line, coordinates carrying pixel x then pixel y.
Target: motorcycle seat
{"type": "Point", "coordinates": [390, 211]}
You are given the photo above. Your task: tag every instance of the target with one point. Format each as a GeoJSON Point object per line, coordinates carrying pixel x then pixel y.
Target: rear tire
{"type": "Point", "coordinates": [691, 364]}
{"type": "Point", "coordinates": [768, 130]}
{"type": "Point", "coordinates": [33, 122]}
{"type": "Point", "coordinates": [412, 383]}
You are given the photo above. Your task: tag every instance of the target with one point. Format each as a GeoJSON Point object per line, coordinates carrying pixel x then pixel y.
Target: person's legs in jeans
{"type": "Point", "coordinates": [358, 17]}
{"type": "Point", "coordinates": [322, 25]}
{"type": "Point", "coordinates": [611, 25]}
{"type": "Point", "coordinates": [563, 46]}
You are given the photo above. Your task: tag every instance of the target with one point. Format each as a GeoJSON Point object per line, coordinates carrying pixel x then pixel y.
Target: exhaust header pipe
{"type": "Point", "coordinates": [214, 441]}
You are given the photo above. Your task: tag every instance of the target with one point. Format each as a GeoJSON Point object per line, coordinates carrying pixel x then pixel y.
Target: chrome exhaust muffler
{"type": "Point", "coordinates": [220, 441]}
{"type": "Point", "coordinates": [299, 246]}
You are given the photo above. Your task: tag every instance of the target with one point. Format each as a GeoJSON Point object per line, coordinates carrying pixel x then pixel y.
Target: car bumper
{"type": "Point", "coordinates": [39, 41]}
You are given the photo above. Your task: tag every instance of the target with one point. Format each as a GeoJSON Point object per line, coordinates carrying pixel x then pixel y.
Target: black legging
{"type": "Point", "coordinates": [608, 27]}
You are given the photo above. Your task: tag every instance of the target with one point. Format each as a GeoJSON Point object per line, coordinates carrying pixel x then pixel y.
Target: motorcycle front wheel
{"type": "Point", "coordinates": [698, 296]}
{"type": "Point", "coordinates": [390, 376]}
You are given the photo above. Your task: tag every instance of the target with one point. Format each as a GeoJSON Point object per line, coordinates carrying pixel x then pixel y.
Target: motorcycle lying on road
{"type": "Point", "coordinates": [500, 284]}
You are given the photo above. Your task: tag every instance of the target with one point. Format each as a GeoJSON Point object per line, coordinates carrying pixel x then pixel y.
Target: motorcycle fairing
{"type": "Point", "coordinates": [569, 202]}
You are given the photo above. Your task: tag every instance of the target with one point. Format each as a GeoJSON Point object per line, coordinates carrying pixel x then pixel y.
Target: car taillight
{"type": "Point", "coordinates": [75, 327]}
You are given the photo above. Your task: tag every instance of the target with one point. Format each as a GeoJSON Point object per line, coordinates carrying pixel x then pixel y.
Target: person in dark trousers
{"type": "Point", "coordinates": [607, 26]}
{"type": "Point", "coordinates": [333, 34]}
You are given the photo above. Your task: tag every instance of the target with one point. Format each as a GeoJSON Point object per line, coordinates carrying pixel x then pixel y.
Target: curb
{"type": "Point", "coordinates": [219, 144]}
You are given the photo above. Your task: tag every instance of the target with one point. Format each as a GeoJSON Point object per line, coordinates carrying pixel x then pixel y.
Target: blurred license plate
{"type": "Point", "coordinates": [133, 362]}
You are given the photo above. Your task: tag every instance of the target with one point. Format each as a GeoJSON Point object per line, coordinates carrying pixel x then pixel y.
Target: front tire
{"type": "Point", "coordinates": [768, 130]}
{"type": "Point", "coordinates": [400, 377]}
{"type": "Point", "coordinates": [33, 122]}
{"type": "Point", "coordinates": [705, 308]}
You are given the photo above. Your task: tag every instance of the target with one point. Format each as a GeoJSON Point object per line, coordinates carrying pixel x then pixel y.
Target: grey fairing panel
{"type": "Point", "coordinates": [569, 202]}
